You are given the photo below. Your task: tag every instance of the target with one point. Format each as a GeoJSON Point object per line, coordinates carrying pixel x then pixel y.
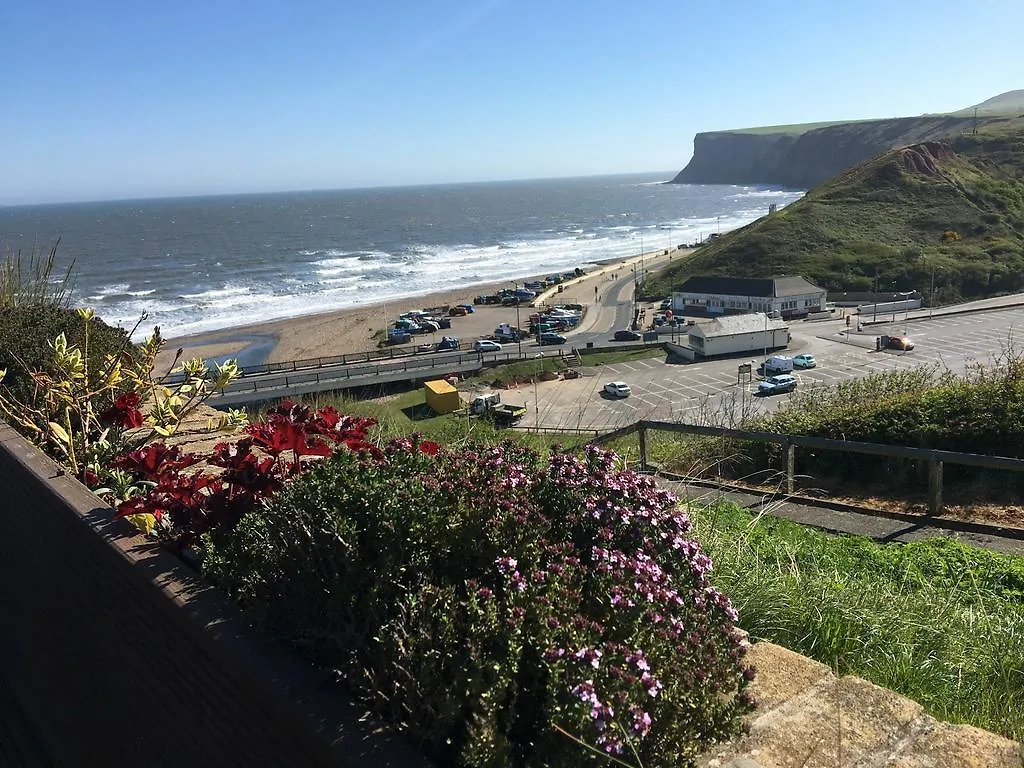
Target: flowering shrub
{"type": "Point", "coordinates": [181, 503]}
{"type": "Point", "coordinates": [503, 607]}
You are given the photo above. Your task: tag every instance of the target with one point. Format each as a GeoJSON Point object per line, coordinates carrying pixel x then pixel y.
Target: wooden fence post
{"type": "Point", "coordinates": [642, 435]}
{"type": "Point", "coordinates": [934, 486]}
{"type": "Point", "coordinates": [790, 466]}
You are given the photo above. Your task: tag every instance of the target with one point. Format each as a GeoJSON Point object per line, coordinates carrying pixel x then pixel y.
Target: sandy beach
{"type": "Point", "coordinates": [356, 329]}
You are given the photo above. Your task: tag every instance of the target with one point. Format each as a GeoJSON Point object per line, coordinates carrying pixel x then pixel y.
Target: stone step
{"type": "Point", "coordinates": [807, 717]}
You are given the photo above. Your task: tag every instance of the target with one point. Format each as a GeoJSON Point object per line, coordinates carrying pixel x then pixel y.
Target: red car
{"type": "Point", "coordinates": [900, 342]}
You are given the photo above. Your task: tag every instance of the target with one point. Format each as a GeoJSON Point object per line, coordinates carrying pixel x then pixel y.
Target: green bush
{"type": "Point", "coordinates": [980, 411]}
{"type": "Point", "coordinates": [505, 609]}
{"type": "Point", "coordinates": [26, 333]}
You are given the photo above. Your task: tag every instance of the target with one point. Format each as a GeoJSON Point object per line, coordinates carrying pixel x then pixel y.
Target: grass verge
{"type": "Point", "coordinates": [937, 621]}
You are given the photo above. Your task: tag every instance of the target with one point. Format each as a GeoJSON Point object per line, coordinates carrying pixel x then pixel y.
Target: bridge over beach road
{"type": "Point", "coordinates": [304, 377]}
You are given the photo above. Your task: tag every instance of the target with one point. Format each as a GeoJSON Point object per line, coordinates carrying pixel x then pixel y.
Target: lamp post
{"type": "Point", "coordinates": [636, 284]}
{"type": "Point", "coordinates": [536, 399]}
{"type": "Point", "coordinates": [931, 295]}
{"type": "Point", "coordinates": [765, 340]}
{"type": "Point", "coordinates": [519, 337]}
{"type": "Point", "coordinates": [641, 256]}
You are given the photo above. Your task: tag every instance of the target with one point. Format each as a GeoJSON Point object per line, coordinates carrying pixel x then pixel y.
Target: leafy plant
{"type": "Point", "coordinates": [503, 607]}
{"type": "Point", "coordinates": [171, 495]}
{"type": "Point", "coordinates": [84, 414]}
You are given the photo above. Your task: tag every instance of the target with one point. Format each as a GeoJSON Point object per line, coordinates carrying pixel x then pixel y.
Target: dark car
{"type": "Point", "coordinates": [900, 342]}
{"type": "Point", "coordinates": [551, 338]}
{"type": "Point", "coordinates": [627, 335]}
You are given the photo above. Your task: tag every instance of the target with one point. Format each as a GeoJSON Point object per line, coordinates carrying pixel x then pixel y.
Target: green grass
{"type": "Point", "coordinates": [795, 129]}
{"type": "Point", "coordinates": [899, 216]}
{"type": "Point", "coordinates": [937, 621]}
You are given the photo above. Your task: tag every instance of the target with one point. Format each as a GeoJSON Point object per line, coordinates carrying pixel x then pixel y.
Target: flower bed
{"type": "Point", "coordinates": [503, 607]}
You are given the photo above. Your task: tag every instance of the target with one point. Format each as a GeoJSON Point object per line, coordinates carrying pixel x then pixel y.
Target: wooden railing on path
{"type": "Point", "coordinates": [934, 457]}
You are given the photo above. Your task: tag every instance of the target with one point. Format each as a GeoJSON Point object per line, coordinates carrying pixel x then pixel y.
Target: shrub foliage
{"type": "Point", "coordinates": [505, 608]}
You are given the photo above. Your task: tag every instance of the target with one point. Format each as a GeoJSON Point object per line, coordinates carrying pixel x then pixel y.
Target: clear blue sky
{"type": "Point", "coordinates": [112, 99]}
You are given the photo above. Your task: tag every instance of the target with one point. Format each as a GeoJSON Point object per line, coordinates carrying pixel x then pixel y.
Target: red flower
{"type": "Point", "coordinates": [429, 447]}
{"type": "Point", "coordinates": [124, 412]}
{"type": "Point", "coordinates": [152, 460]}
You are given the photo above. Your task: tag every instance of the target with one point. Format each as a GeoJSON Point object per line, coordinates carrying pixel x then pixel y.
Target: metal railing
{"type": "Point", "coordinates": [934, 457]}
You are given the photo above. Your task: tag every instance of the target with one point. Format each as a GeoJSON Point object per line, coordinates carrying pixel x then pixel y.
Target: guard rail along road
{"type": "Point", "coordinates": [280, 380]}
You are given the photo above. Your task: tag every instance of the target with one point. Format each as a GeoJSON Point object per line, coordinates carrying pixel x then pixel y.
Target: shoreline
{"type": "Point", "coordinates": [357, 329]}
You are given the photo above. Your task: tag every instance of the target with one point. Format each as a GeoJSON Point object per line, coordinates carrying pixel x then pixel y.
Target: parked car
{"type": "Point", "coordinates": [804, 361]}
{"type": "Point", "coordinates": [665, 304]}
{"type": "Point", "coordinates": [627, 335]}
{"type": "Point", "coordinates": [551, 338]}
{"type": "Point", "coordinates": [900, 342]}
{"type": "Point", "coordinates": [447, 343]}
{"type": "Point", "coordinates": [776, 385]}
{"type": "Point", "coordinates": [486, 345]}
{"type": "Point", "coordinates": [617, 389]}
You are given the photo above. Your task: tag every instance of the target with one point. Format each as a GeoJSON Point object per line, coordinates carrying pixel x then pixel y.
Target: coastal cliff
{"type": "Point", "coordinates": [801, 159]}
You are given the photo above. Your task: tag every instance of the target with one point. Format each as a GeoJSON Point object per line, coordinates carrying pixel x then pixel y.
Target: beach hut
{"type": "Point", "coordinates": [441, 396]}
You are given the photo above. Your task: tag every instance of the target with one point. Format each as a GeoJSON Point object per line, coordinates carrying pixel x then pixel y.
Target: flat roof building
{"type": "Point", "coordinates": [786, 296]}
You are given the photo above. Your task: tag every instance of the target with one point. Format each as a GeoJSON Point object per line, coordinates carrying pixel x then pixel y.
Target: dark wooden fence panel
{"type": "Point", "coordinates": [115, 655]}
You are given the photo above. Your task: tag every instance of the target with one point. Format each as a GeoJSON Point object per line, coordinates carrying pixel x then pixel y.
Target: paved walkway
{"type": "Point", "coordinates": [880, 526]}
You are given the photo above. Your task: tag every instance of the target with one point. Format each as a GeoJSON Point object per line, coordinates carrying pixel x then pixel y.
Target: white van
{"type": "Point", "coordinates": [776, 364]}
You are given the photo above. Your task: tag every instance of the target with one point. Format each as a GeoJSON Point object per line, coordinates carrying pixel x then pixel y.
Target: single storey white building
{"type": "Point", "coordinates": [737, 334]}
{"type": "Point", "coordinates": [786, 296]}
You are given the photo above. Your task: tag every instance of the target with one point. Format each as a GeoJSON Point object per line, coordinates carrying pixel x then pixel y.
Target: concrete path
{"type": "Point", "coordinates": [878, 525]}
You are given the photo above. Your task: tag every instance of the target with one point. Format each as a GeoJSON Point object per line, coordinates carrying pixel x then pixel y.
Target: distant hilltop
{"type": "Point", "coordinates": [803, 156]}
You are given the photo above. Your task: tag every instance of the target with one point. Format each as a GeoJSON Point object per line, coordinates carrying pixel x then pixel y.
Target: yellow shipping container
{"type": "Point", "coordinates": [442, 396]}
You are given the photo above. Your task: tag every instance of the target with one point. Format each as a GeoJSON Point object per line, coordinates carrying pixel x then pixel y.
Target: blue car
{"type": "Point", "coordinates": [784, 382]}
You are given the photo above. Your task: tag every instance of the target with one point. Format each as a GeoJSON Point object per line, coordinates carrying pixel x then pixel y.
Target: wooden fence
{"type": "Point", "coordinates": [935, 458]}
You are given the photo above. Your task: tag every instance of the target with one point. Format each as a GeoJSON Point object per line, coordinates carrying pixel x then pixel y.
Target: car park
{"type": "Point", "coordinates": [627, 335]}
{"type": "Point", "coordinates": [486, 345]}
{"type": "Point", "coordinates": [617, 389]}
{"type": "Point", "coordinates": [776, 385]}
{"type": "Point", "coordinates": [804, 361]}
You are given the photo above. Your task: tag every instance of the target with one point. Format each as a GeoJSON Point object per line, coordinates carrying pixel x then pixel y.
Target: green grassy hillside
{"type": "Point", "coordinates": [1009, 103]}
{"type": "Point", "coordinates": [954, 208]}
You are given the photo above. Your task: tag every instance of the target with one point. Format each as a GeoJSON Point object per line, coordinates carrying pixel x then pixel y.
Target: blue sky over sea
{"type": "Point", "coordinates": [115, 99]}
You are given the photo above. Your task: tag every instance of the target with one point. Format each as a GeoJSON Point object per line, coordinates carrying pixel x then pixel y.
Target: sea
{"type": "Point", "coordinates": [200, 264]}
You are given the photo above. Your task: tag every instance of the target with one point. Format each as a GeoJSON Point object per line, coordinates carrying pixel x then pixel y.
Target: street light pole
{"type": "Point", "coordinates": [536, 399]}
{"type": "Point", "coordinates": [519, 336]}
{"type": "Point", "coordinates": [931, 295]}
{"type": "Point", "coordinates": [765, 340]}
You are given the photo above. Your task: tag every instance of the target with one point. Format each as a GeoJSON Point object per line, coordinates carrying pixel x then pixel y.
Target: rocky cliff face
{"type": "Point", "coordinates": [805, 160]}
